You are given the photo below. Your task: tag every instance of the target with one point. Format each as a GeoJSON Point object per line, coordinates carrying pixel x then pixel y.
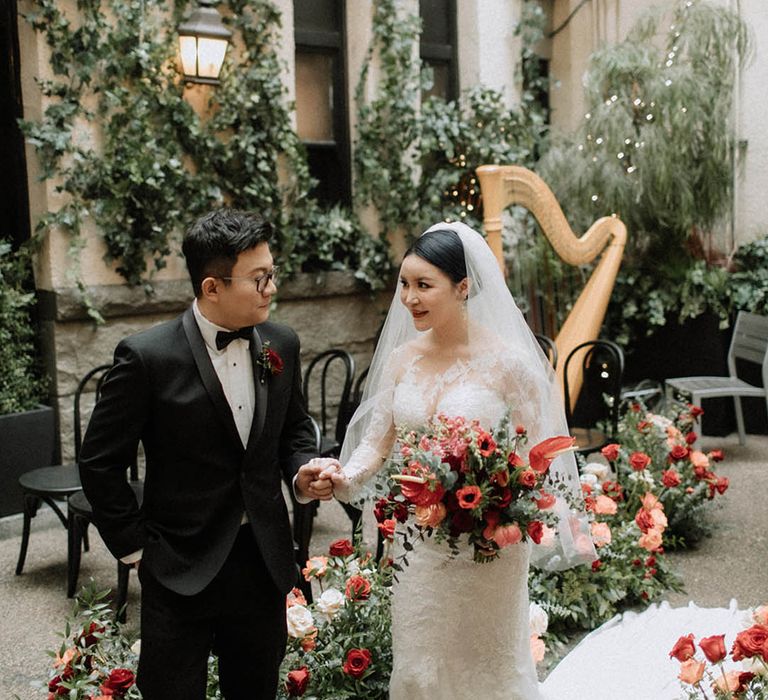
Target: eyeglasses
{"type": "Point", "coordinates": [261, 281]}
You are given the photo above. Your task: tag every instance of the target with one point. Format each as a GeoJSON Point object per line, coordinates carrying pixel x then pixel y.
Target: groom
{"type": "Point", "coordinates": [214, 396]}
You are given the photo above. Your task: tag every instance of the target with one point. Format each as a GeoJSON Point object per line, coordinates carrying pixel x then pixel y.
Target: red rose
{"type": "Point", "coordinates": [485, 444]}
{"type": "Point", "coordinates": [596, 565]}
{"type": "Point", "coordinates": [644, 520]}
{"type": "Point", "coordinates": [380, 510]}
{"type": "Point", "coordinates": [643, 425]}
{"type": "Point", "coordinates": [341, 548]}
{"type": "Point", "coordinates": [387, 529]}
{"type": "Point", "coordinates": [545, 501]}
{"type": "Point", "coordinates": [716, 455]}
{"type": "Point", "coordinates": [297, 681]}
{"type": "Point", "coordinates": [520, 429]}
{"type": "Point", "coordinates": [722, 484]}
{"type": "Point", "coordinates": [504, 497]}
{"type": "Point", "coordinates": [678, 452]}
{"type": "Point", "coordinates": [684, 648]}
{"type": "Point", "coordinates": [691, 437]}
{"type": "Point", "coordinates": [695, 410]}
{"type": "Point", "coordinates": [535, 530]}
{"type": "Point", "coordinates": [358, 588]}
{"type": "Point", "coordinates": [750, 642]}
{"type": "Point", "coordinates": [639, 461]}
{"type": "Point", "coordinates": [358, 660]}
{"type": "Point", "coordinates": [54, 685]}
{"type": "Point", "coordinates": [400, 513]}
{"type": "Point", "coordinates": [90, 636]}
{"type": "Point", "coordinates": [745, 678]}
{"type": "Point", "coordinates": [276, 364]}
{"type": "Point", "coordinates": [527, 478]}
{"type": "Point", "coordinates": [714, 647]}
{"type": "Point", "coordinates": [118, 682]}
{"type": "Point", "coordinates": [610, 452]}
{"type": "Point", "coordinates": [469, 497]}
{"type": "Point", "coordinates": [670, 478]}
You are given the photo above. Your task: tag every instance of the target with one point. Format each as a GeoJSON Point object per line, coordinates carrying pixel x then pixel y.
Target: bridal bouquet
{"type": "Point", "coordinates": [458, 478]}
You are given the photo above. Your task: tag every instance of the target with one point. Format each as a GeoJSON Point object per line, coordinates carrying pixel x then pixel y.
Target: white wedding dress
{"type": "Point", "coordinates": [459, 629]}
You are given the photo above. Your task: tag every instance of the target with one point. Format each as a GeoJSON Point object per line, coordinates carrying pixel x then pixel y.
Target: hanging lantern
{"type": "Point", "coordinates": [203, 41]}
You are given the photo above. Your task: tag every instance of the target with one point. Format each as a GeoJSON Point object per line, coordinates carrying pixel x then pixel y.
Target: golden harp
{"type": "Point", "coordinates": [503, 185]}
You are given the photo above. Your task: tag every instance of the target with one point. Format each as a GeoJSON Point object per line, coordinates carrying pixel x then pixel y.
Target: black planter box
{"type": "Point", "coordinates": [27, 441]}
{"type": "Point", "coordinates": [697, 347]}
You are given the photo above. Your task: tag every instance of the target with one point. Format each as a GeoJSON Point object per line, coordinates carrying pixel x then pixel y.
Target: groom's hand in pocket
{"type": "Point", "coordinates": [313, 480]}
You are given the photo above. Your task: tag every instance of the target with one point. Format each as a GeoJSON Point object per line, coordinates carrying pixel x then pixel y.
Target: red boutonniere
{"type": "Point", "coordinates": [269, 361]}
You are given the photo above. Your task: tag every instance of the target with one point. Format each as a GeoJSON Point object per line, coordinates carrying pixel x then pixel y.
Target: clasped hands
{"type": "Point", "coordinates": [315, 479]}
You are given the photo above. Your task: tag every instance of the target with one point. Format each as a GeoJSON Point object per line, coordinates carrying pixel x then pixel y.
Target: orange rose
{"type": "Point", "coordinates": [295, 597]}
{"type": "Point", "coordinates": [507, 535]}
{"type": "Point", "coordinates": [670, 478]}
{"type": "Point", "coordinates": [601, 534]}
{"type": "Point", "coordinates": [698, 459]}
{"type": "Point", "coordinates": [611, 452]}
{"type": "Point", "coordinates": [527, 478]}
{"type": "Point", "coordinates": [727, 682]}
{"type": "Point", "coordinates": [644, 520]}
{"type": "Point", "coordinates": [538, 649]}
{"type": "Point", "coordinates": [691, 671]}
{"type": "Point", "coordinates": [387, 528]}
{"type": "Point", "coordinates": [430, 516]}
{"type": "Point", "coordinates": [315, 568]}
{"type": "Point", "coordinates": [605, 505]}
{"type": "Point", "coordinates": [678, 452]}
{"type": "Point", "coordinates": [651, 540]}
{"type": "Point", "coordinates": [751, 642]}
{"type": "Point", "coordinates": [545, 501]}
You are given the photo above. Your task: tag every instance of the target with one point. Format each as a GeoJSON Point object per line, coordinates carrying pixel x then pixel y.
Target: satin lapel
{"type": "Point", "coordinates": [257, 426]}
{"type": "Point", "coordinates": [208, 375]}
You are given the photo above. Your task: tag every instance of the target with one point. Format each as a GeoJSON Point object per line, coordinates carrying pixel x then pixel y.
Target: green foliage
{"type": "Point", "coordinates": [748, 282]}
{"type": "Point", "coordinates": [21, 387]}
{"type": "Point", "coordinates": [388, 123]}
{"type": "Point", "coordinates": [656, 147]}
{"type": "Point", "coordinates": [132, 154]}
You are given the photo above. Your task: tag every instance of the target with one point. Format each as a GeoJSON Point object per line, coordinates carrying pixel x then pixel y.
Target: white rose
{"type": "Point", "coordinates": [353, 568]}
{"type": "Point", "coordinates": [600, 471]}
{"type": "Point", "coordinates": [589, 479]}
{"type": "Point", "coordinates": [538, 620]}
{"type": "Point", "coordinates": [661, 422]}
{"type": "Point", "coordinates": [300, 621]}
{"type": "Point", "coordinates": [330, 602]}
{"type": "Point", "coordinates": [644, 476]}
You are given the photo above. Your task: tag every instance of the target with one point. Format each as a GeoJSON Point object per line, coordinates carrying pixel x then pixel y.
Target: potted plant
{"type": "Point", "coordinates": [27, 429]}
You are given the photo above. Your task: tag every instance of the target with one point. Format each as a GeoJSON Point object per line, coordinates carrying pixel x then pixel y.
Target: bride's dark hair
{"type": "Point", "coordinates": [443, 249]}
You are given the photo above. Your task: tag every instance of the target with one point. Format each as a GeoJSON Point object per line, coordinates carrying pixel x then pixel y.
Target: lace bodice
{"type": "Point", "coordinates": [484, 388]}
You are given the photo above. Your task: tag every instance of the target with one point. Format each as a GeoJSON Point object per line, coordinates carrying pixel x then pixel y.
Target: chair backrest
{"type": "Point", "coordinates": [601, 369]}
{"type": "Point", "coordinates": [96, 375]}
{"type": "Point", "coordinates": [549, 348]}
{"type": "Point", "coordinates": [336, 366]}
{"type": "Point", "coordinates": [749, 342]}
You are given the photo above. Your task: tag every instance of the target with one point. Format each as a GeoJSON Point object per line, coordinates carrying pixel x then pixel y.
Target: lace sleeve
{"type": "Point", "coordinates": [523, 396]}
{"type": "Point", "coordinates": [375, 420]}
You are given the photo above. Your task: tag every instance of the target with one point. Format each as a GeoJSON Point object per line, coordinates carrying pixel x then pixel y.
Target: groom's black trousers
{"type": "Point", "coordinates": [240, 615]}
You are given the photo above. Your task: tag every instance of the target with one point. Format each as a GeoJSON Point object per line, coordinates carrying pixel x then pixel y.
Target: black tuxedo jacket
{"type": "Point", "coordinates": [164, 392]}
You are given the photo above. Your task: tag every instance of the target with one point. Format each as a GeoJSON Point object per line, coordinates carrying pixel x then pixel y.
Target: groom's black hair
{"type": "Point", "coordinates": [443, 249]}
{"type": "Point", "coordinates": [212, 243]}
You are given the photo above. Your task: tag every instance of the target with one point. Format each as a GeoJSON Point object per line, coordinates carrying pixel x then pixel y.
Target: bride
{"type": "Point", "coordinates": [455, 343]}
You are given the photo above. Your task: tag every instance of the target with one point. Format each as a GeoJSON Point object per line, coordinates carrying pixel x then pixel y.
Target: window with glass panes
{"type": "Point", "coordinates": [437, 47]}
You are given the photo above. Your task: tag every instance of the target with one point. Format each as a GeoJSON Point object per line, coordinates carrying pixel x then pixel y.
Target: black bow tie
{"type": "Point", "coordinates": [224, 338]}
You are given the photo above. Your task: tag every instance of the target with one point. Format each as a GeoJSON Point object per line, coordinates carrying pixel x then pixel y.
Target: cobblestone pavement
{"type": "Point", "coordinates": [729, 564]}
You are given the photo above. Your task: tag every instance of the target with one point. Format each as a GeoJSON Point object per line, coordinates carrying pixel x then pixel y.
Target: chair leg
{"type": "Point", "coordinates": [355, 515]}
{"type": "Point", "coordinates": [31, 504]}
{"type": "Point", "coordinates": [84, 535]}
{"type": "Point", "coordinates": [74, 546]}
{"type": "Point", "coordinates": [740, 420]}
{"type": "Point", "coordinates": [123, 572]}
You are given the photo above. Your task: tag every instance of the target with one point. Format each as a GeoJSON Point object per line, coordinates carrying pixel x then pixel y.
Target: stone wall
{"type": "Point", "coordinates": [326, 309]}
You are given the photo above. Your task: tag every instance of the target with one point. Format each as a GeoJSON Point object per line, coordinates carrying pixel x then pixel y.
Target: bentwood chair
{"type": "Point", "coordinates": [595, 418]}
{"type": "Point", "coordinates": [749, 343]}
{"type": "Point", "coordinates": [55, 483]}
{"type": "Point", "coordinates": [549, 348]}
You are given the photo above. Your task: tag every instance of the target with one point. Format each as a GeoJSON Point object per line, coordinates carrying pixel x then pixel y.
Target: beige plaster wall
{"type": "Point", "coordinates": [602, 22]}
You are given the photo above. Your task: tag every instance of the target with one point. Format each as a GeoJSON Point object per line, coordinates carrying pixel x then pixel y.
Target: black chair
{"type": "Point", "coordinates": [55, 483]}
{"type": "Point", "coordinates": [595, 419]}
{"type": "Point", "coordinates": [549, 348]}
{"type": "Point", "coordinates": [80, 515]}
{"type": "Point", "coordinates": [334, 365]}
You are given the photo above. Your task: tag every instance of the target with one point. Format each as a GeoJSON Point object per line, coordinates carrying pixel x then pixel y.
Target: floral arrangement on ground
{"type": "Point", "coordinates": [726, 679]}
{"type": "Point", "coordinates": [647, 492]}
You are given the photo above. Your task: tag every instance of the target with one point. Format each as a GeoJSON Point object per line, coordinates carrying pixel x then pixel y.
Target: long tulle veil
{"type": "Point", "coordinates": [490, 306]}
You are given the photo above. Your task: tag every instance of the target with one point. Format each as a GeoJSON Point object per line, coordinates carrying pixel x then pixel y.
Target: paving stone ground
{"type": "Point", "coordinates": [729, 564]}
